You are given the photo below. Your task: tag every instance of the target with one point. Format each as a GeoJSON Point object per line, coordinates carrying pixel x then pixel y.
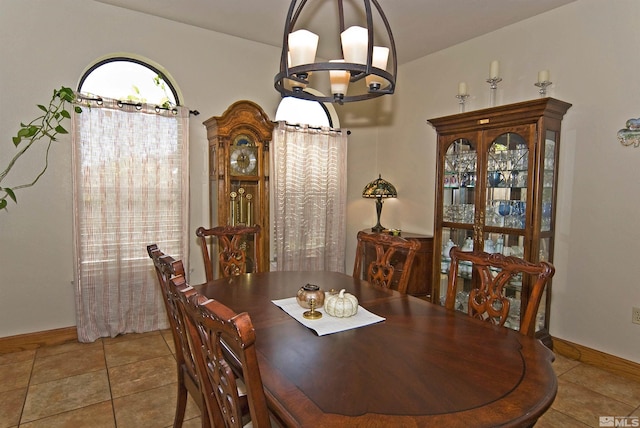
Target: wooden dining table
{"type": "Point", "coordinates": [421, 366]}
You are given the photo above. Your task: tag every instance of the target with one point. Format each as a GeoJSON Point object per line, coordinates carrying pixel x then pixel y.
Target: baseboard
{"type": "Point", "coordinates": [599, 359]}
{"type": "Point", "coordinates": [24, 342]}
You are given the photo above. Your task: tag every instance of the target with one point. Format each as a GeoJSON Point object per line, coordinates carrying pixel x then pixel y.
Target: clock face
{"type": "Point", "coordinates": [243, 160]}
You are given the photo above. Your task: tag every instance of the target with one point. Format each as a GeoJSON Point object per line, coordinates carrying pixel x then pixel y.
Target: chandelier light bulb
{"type": "Point", "coordinates": [302, 47]}
{"type": "Point", "coordinates": [339, 80]}
{"type": "Point", "coordinates": [380, 58]}
{"type": "Point", "coordinates": [355, 42]}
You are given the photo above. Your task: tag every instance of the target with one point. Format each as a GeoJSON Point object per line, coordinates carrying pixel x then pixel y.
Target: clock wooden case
{"type": "Point", "coordinates": [239, 169]}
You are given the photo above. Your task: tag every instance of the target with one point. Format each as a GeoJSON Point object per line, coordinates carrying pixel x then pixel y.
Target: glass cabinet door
{"type": "Point", "coordinates": [459, 182]}
{"type": "Point", "coordinates": [544, 244]}
{"type": "Point", "coordinates": [548, 180]}
{"type": "Point", "coordinates": [505, 219]}
{"type": "Point", "coordinates": [458, 187]}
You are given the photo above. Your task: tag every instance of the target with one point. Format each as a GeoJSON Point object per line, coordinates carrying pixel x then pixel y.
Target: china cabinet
{"type": "Point", "coordinates": [496, 190]}
{"type": "Point", "coordinates": [239, 169]}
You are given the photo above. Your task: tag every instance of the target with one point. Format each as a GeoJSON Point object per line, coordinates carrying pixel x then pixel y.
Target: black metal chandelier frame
{"type": "Point", "coordinates": [300, 73]}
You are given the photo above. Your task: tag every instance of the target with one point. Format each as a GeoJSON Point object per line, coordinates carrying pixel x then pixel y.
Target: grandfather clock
{"type": "Point", "coordinates": [239, 168]}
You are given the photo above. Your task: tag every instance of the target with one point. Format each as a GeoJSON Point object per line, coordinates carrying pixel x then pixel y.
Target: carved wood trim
{"type": "Point", "coordinates": [241, 113]}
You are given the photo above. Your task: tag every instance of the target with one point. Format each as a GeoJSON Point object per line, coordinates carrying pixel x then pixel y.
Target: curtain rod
{"type": "Point", "coordinates": [138, 105]}
{"type": "Point", "coordinates": [297, 125]}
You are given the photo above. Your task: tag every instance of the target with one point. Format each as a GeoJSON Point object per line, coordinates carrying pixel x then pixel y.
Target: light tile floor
{"type": "Point", "coordinates": [130, 382]}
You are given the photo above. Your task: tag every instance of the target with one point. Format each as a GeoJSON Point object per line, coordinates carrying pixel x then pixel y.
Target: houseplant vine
{"type": "Point", "coordinates": [44, 128]}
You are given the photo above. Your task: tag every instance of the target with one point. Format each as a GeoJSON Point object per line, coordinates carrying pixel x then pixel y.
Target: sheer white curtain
{"type": "Point", "coordinates": [130, 190]}
{"type": "Point", "coordinates": [309, 188]}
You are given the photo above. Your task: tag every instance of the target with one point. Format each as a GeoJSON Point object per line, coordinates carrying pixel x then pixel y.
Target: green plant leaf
{"type": "Point", "coordinates": [10, 193]}
{"type": "Point", "coordinates": [28, 131]}
{"type": "Point", "coordinates": [67, 94]}
{"type": "Point", "coordinates": [43, 127]}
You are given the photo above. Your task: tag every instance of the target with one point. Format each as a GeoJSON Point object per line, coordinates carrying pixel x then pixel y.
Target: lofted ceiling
{"type": "Point", "coordinates": [420, 27]}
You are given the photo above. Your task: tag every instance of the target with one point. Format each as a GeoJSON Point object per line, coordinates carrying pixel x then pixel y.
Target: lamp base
{"type": "Point", "coordinates": [378, 227]}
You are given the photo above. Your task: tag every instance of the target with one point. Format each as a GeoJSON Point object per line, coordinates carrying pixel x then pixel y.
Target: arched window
{"type": "Point", "coordinates": [130, 158]}
{"type": "Point", "coordinates": [304, 112]}
{"type": "Point", "coordinates": [129, 79]}
{"type": "Point", "coordinates": [298, 111]}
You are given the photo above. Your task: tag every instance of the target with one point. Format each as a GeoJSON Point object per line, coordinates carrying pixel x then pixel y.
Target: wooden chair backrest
{"type": "Point", "coordinates": [231, 248]}
{"type": "Point", "coordinates": [226, 341]}
{"type": "Point", "coordinates": [381, 270]}
{"type": "Point", "coordinates": [492, 273]}
{"type": "Point", "coordinates": [166, 268]}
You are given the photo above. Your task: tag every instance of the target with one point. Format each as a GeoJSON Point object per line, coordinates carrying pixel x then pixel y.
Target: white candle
{"type": "Point", "coordinates": [543, 76]}
{"type": "Point", "coordinates": [302, 47]}
{"type": "Point", "coordinates": [494, 71]}
{"type": "Point", "coordinates": [462, 88]}
{"type": "Point", "coordinates": [379, 59]}
{"type": "Point", "coordinates": [355, 42]}
{"type": "Point", "coordinates": [339, 79]}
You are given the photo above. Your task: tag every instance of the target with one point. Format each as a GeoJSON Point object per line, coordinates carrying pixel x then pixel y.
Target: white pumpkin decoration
{"type": "Point", "coordinates": [341, 305]}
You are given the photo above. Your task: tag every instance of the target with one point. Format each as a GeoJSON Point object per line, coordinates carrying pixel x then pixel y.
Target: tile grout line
{"type": "Point", "coordinates": [26, 393]}
{"type": "Point", "coordinates": [106, 366]}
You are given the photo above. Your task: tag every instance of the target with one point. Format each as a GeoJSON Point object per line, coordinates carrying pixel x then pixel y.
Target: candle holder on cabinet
{"type": "Point", "coordinates": [543, 87]}
{"type": "Point", "coordinates": [493, 87]}
{"type": "Point", "coordinates": [462, 98]}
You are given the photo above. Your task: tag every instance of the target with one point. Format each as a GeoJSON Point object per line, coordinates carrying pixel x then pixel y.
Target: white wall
{"type": "Point", "coordinates": [590, 48]}
{"type": "Point", "coordinates": [49, 43]}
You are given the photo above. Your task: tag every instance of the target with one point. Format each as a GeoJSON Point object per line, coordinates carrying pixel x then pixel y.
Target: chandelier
{"type": "Point", "coordinates": [361, 58]}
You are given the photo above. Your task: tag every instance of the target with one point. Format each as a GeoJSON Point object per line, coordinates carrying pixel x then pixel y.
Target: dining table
{"type": "Point", "coordinates": [419, 365]}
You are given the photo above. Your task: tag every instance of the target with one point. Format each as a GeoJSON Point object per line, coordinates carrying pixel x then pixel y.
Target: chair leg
{"type": "Point", "coordinates": [181, 401]}
{"type": "Point", "coordinates": [206, 423]}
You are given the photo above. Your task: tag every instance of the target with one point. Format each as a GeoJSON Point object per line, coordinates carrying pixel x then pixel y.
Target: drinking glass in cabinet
{"type": "Point", "coordinates": [495, 178]}
{"type": "Point", "coordinates": [504, 209]}
{"type": "Point", "coordinates": [518, 210]}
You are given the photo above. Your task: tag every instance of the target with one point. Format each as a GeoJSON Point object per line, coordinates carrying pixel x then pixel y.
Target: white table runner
{"type": "Point", "coordinates": [327, 324]}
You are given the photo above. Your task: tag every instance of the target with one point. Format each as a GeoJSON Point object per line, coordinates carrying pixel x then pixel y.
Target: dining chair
{"type": "Point", "coordinates": [492, 272]}
{"type": "Point", "coordinates": [227, 361]}
{"type": "Point", "coordinates": [392, 254]}
{"type": "Point", "coordinates": [188, 381]}
{"type": "Point", "coordinates": [233, 242]}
